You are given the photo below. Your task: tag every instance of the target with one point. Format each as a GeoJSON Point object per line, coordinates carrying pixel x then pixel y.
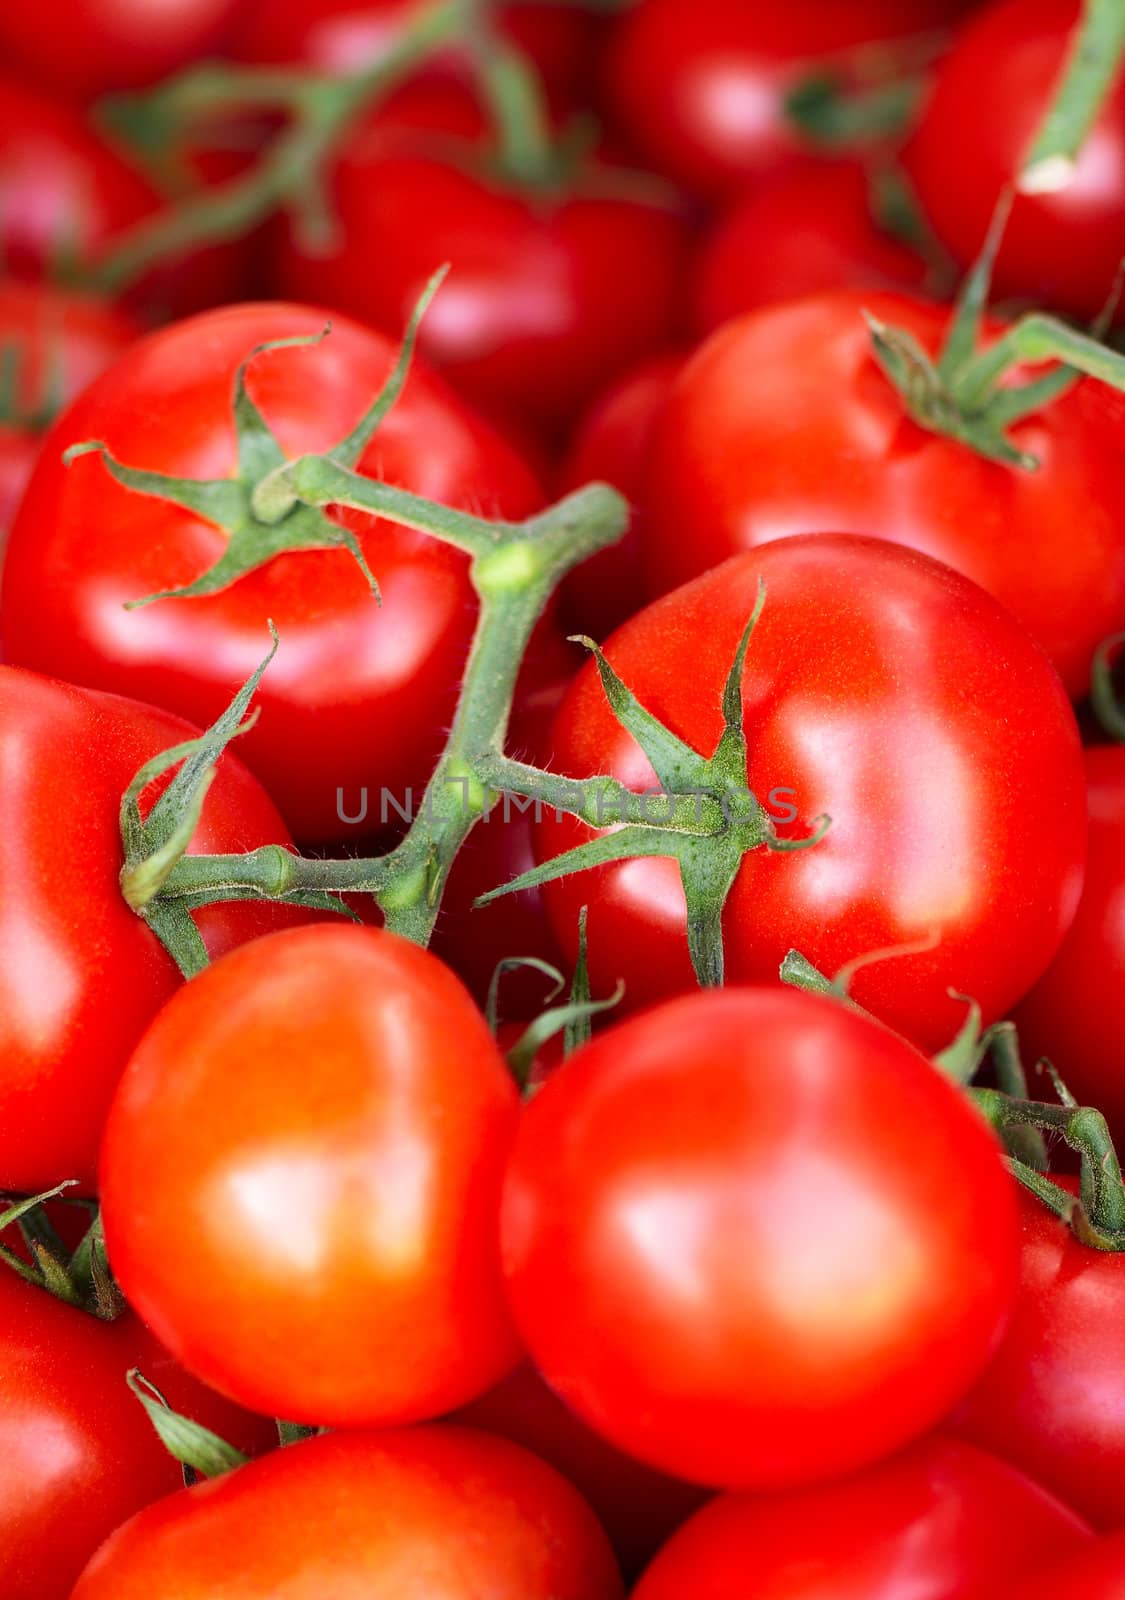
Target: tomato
{"type": "Point", "coordinates": [340, 36]}
{"type": "Point", "coordinates": [233, 1174]}
{"type": "Point", "coordinates": [1074, 1015]}
{"type": "Point", "coordinates": [638, 1508]}
{"type": "Point", "coordinates": [611, 444]}
{"type": "Point", "coordinates": [725, 69]}
{"type": "Point", "coordinates": [77, 1453]}
{"type": "Point", "coordinates": [80, 975]}
{"type": "Point", "coordinates": [61, 341]}
{"type": "Point", "coordinates": [783, 423]}
{"type": "Point", "coordinates": [940, 1522]}
{"type": "Point", "coordinates": [550, 294]}
{"type": "Point", "coordinates": [66, 196]}
{"type": "Point", "coordinates": [755, 1240]}
{"type": "Point", "coordinates": [418, 1514]}
{"type": "Point", "coordinates": [362, 691]}
{"type": "Point", "coordinates": [85, 47]}
{"type": "Point", "coordinates": [1053, 1400]}
{"type": "Point", "coordinates": [889, 694]}
{"type": "Point", "coordinates": [807, 229]}
{"type": "Point", "coordinates": [1060, 248]}
{"type": "Point", "coordinates": [1096, 1573]}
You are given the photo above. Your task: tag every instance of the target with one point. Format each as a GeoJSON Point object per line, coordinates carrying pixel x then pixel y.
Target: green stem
{"type": "Point", "coordinates": [1088, 77]}
{"type": "Point", "coordinates": [1033, 339]}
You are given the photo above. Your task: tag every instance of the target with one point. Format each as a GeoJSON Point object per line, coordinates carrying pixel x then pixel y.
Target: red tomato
{"type": "Point", "coordinates": [1060, 249]}
{"type": "Point", "coordinates": [80, 975]}
{"type": "Point", "coordinates": [550, 294]}
{"type": "Point", "coordinates": [77, 1453]}
{"type": "Point", "coordinates": [881, 690]}
{"type": "Point", "coordinates": [638, 1508]}
{"type": "Point", "coordinates": [702, 85]}
{"type": "Point", "coordinates": [326, 1075]}
{"type": "Point", "coordinates": [1075, 1014]}
{"type": "Point", "coordinates": [755, 1240]}
{"type": "Point", "coordinates": [1096, 1573]}
{"type": "Point", "coordinates": [85, 47]}
{"type": "Point", "coordinates": [65, 197]}
{"type": "Point", "coordinates": [805, 230]}
{"type": "Point", "coordinates": [611, 444]}
{"type": "Point", "coordinates": [61, 341]}
{"type": "Point", "coordinates": [783, 423]}
{"type": "Point", "coordinates": [941, 1522]}
{"type": "Point", "coordinates": [418, 1514]}
{"type": "Point", "coordinates": [1053, 1400]}
{"type": "Point", "coordinates": [362, 691]}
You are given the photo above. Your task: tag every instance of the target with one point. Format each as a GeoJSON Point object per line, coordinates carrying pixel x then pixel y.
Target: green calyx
{"type": "Point", "coordinates": [963, 394]}
{"type": "Point", "coordinates": [80, 1277]}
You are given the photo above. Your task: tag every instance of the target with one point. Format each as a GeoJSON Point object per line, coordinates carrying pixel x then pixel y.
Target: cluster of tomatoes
{"type": "Point", "coordinates": [333, 1265]}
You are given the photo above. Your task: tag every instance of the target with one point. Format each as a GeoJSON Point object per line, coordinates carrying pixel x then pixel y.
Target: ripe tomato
{"type": "Point", "coordinates": [755, 1240]}
{"type": "Point", "coordinates": [940, 1522]}
{"type": "Point", "coordinates": [807, 229]}
{"type": "Point", "coordinates": [413, 1514]}
{"type": "Point", "coordinates": [85, 47]}
{"type": "Point", "coordinates": [1075, 1015]}
{"type": "Point", "coordinates": [1096, 1573]}
{"type": "Point", "coordinates": [80, 975]}
{"type": "Point", "coordinates": [362, 691]}
{"type": "Point", "coordinates": [1062, 248]}
{"type": "Point", "coordinates": [883, 691]}
{"type": "Point", "coordinates": [300, 1177]}
{"type": "Point", "coordinates": [783, 423]}
{"type": "Point", "coordinates": [725, 69]}
{"type": "Point", "coordinates": [77, 1453]}
{"type": "Point", "coordinates": [1053, 1400]}
{"type": "Point", "coordinates": [61, 340]}
{"type": "Point", "coordinates": [611, 444]}
{"type": "Point", "coordinates": [550, 295]}
{"type": "Point", "coordinates": [638, 1507]}
{"type": "Point", "coordinates": [66, 195]}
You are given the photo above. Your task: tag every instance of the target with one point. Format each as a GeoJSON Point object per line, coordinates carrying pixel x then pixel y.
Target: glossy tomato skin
{"type": "Point", "coordinates": [1096, 1573]}
{"type": "Point", "coordinates": [638, 1507]}
{"type": "Point", "coordinates": [725, 69]}
{"type": "Point", "coordinates": [86, 47]}
{"type": "Point", "coordinates": [271, 1292]}
{"type": "Point", "coordinates": [733, 1268]}
{"type": "Point", "coordinates": [1074, 1015]}
{"type": "Point", "coordinates": [1052, 1402]}
{"type": "Point", "coordinates": [77, 1452]}
{"type": "Point", "coordinates": [942, 1521]}
{"type": "Point", "coordinates": [18, 450]}
{"type": "Point", "coordinates": [1062, 249]}
{"type": "Point", "coordinates": [81, 976]}
{"type": "Point", "coordinates": [881, 690]}
{"type": "Point", "coordinates": [783, 423]}
{"type": "Point", "coordinates": [548, 298]}
{"type": "Point", "coordinates": [807, 229]}
{"type": "Point", "coordinates": [362, 691]}
{"type": "Point", "coordinates": [416, 1514]}
{"type": "Point", "coordinates": [611, 444]}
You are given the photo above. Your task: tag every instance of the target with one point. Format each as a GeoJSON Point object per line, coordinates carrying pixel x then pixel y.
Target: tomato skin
{"type": "Point", "coordinates": [18, 449]}
{"type": "Point", "coordinates": [81, 976]}
{"type": "Point", "coordinates": [1096, 1573]}
{"type": "Point", "coordinates": [351, 678]}
{"type": "Point", "coordinates": [86, 47]}
{"type": "Point", "coordinates": [1052, 1402]}
{"type": "Point", "coordinates": [1074, 1015]}
{"type": "Point", "coordinates": [77, 1453]}
{"type": "Point", "coordinates": [273, 1296]}
{"type": "Point", "coordinates": [989, 98]}
{"type": "Point", "coordinates": [735, 1269]}
{"type": "Point", "coordinates": [611, 444]}
{"type": "Point", "coordinates": [725, 69]}
{"type": "Point", "coordinates": [415, 1514]}
{"type": "Point", "coordinates": [883, 691]}
{"type": "Point", "coordinates": [783, 423]}
{"type": "Point", "coordinates": [808, 229]}
{"type": "Point", "coordinates": [940, 1522]}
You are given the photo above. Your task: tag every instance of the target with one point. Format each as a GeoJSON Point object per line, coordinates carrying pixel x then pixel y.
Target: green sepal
{"type": "Point", "coordinates": [295, 1432]}
{"type": "Point", "coordinates": [514, 964]}
{"type": "Point", "coordinates": [1103, 694]}
{"type": "Point", "coordinates": [558, 1019]}
{"type": "Point", "coordinates": [676, 764]}
{"type": "Point", "coordinates": [15, 1213]}
{"type": "Point", "coordinates": [962, 1056]}
{"type": "Point", "coordinates": [196, 1448]}
{"type": "Point", "coordinates": [578, 1030]}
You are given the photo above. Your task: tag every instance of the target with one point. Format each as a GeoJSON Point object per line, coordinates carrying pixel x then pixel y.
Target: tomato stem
{"type": "Point", "coordinates": [1093, 64]}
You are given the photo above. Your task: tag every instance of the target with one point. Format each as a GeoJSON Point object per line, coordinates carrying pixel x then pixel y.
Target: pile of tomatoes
{"type": "Point", "coordinates": [731, 1209]}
